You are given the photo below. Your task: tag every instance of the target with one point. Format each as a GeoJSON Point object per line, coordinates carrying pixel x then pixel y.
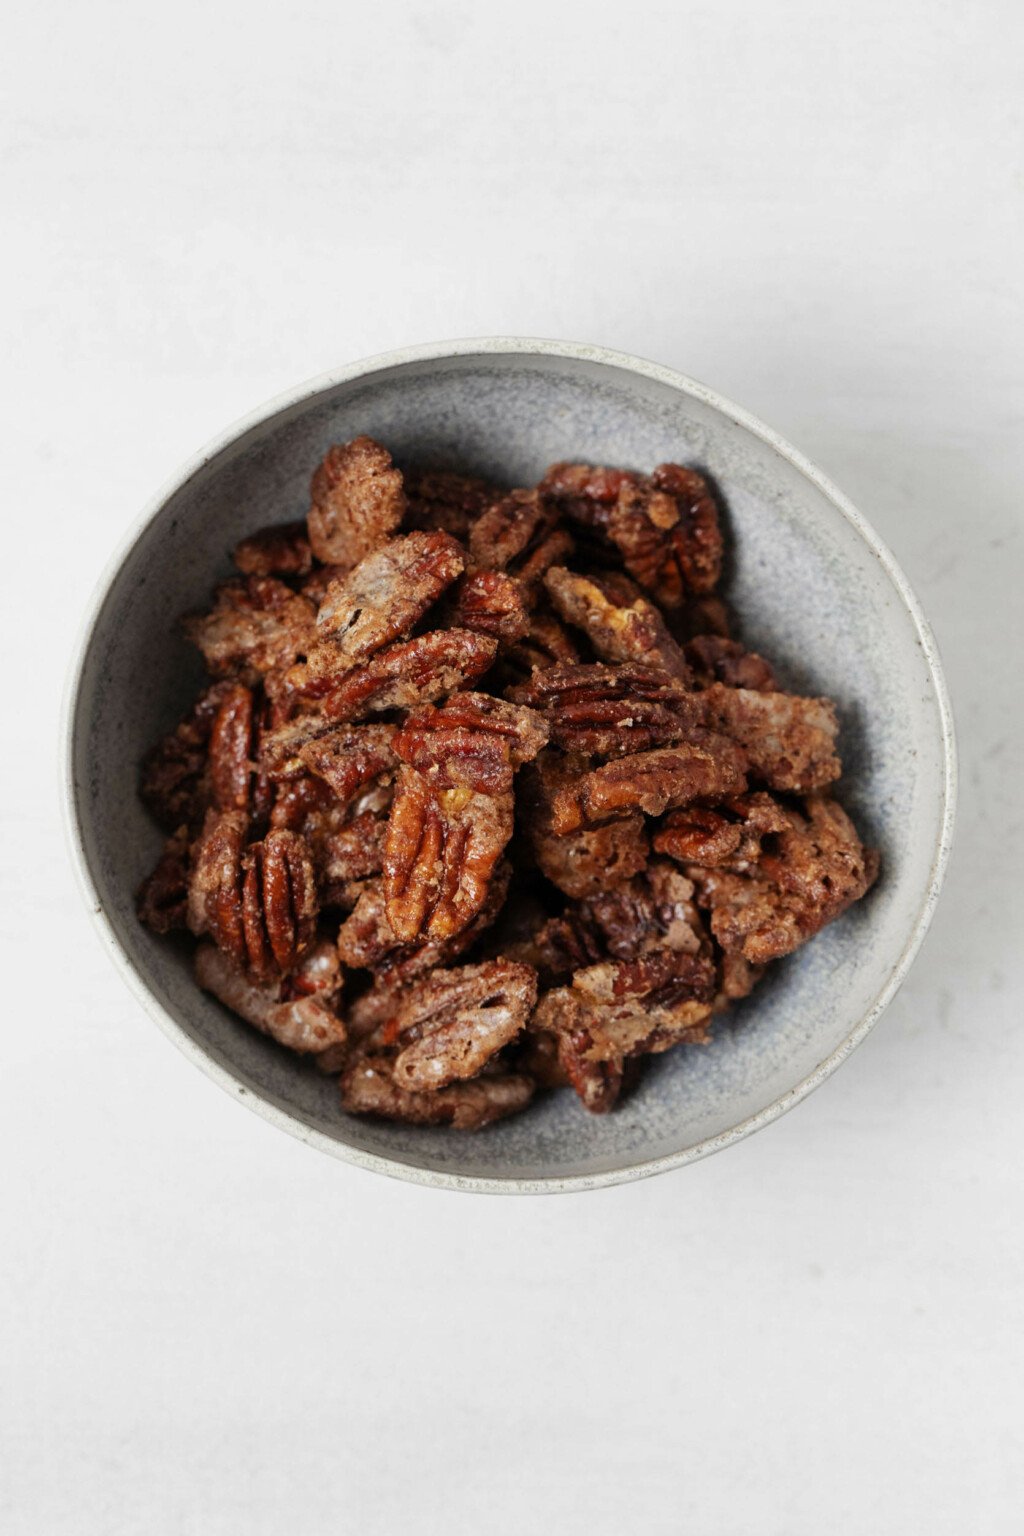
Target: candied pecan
{"type": "Point", "coordinates": [790, 741]}
{"type": "Point", "coordinates": [346, 844]}
{"type": "Point", "coordinates": [729, 836]}
{"type": "Point", "coordinates": [381, 599]}
{"type": "Point", "coordinates": [452, 1022]}
{"type": "Point", "coordinates": [231, 749]}
{"type": "Point", "coordinates": [545, 644]}
{"type": "Point", "coordinates": [590, 859]}
{"type": "Point", "coordinates": [306, 1023]}
{"type": "Point", "coordinates": [597, 1084]}
{"type": "Point", "coordinates": [520, 534]}
{"type": "Point", "coordinates": [347, 757]}
{"type": "Point", "coordinates": [368, 1088]}
{"type": "Point", "coordinates": [279, 902]}
{"type": "Point", "coordinates": [655, 911]}
{"type": "Point", "coordinates": [173, 780]}
{"type": "Point", "coordinates": [664, 525]}
{"type": "Point", "coordinates": [404, 675]}
{"type": "Point", "coordinates": [215, 882]}
{"type": "Point", "coordinates": [357, 501]}
{"type": "Point", "coordinates": [473, 739]}
{"type": "Point", "coordinates": [706, 767]}
{"type": "Point", "coordinates": [491, 603]}
{"type": "Point", "coordinates": [536, 1054]}
{"type": "Point", "coordinates": [737, 978]}
{"type": "Point", "coordinates": [257, 624]}
{"type": "Point", "coordinates": [162, 899]}
{"type": "Point", "coordinates": [618, 621]}
{"type": "Point", "coordinates": [714, 659]}
{"type": "Point", "coordinates": [319, 579]}
{"type": "Point", "coordinates": [368, 941]}
{"type": "Point", "coordinates": [440, 498]}
{"type": "Point", "coordinates": [281, 550]}
{"type": "Point", "coordinates": [815, 869]}
{"type": "Point", "coordinates": [441, 849]}
{"type": "Point", "coordinates": [610, 710]}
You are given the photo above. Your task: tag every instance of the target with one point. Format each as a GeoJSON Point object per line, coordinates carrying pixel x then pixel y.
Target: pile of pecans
{"type": "Point", "coordinates": [484, 797]}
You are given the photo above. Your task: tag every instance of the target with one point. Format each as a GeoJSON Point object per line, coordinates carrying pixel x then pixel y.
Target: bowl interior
{"type": "Point", "coordinates": [811, 592]}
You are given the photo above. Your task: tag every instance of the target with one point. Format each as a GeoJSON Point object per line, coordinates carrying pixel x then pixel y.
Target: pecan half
{"type": "Point", "coordinates": [281, 550]}
{"type": "Point", "coordinates": [368, 1088]}
{"type": "Point", "coordinates": [491, 603]}
{"type": "Point", "coordinates": [474, 740]}
{"type": "Point", "coordinates": [706, 767]}
{"type": "Point", "coordinates": [618, 621]}
{"type": "Point", "coordinates": [726, 837]}
{"type": "Point", "coordinates": [367, 940]}
{"type": "Point", "coordinates": [664, 525]}
{"type": "Point", "coordinates": [404, 675]}
{"type": "Point", "coordinates": [440, 498]}
{"type": "Point", "coordinates": [815, 869]}
{"type": "Point", "coordinates": [611, 710]}
{"type": "Point", "coordinates": [306, 1023]}
{"type": "Point", "coordinates": [590, 859]}
{"type": "Point", "coordinates": [357, 501]}
{"type": "Point", "coordinates": [452, 1022]}
{"type": "Point", "coordinates": [257, 624]}
{"type": "Point", "coordinates": [546, 644]}
{"type": "Point", "coordinates": [714, 659]}
{"type": "Point", "coordinates": [381, 599]}
{"type": "Point", "coordinates": [520, 534]}
{"type": "Point", "coordinates": [348, 757]}
{"type": "Point", "coordinates": [789, 741]}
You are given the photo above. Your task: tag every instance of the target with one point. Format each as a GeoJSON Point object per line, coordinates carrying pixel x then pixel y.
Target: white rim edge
{"type": "Point", "coordinates": [393, 1167]}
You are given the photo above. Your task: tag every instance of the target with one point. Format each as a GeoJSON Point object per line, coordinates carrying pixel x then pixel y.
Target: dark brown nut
{"type": "Point", "coordinates": [231, 750]}
{"type": "Point", "coordinates": [611, 710]}
{"type": "Point", "coordinates": [546, 644]}
{"type": "Point", "coordinates": [162, 900]}
{"type": "Point", "coordinates": [714, 659]}
{"type": "Point", "coordinates": [413, 672]}
{"type": "Point", "coordinates": [706, 767]}
{"type": "Point", "coordinates": [282, 550]}
{"type": "Point", "coordinates": [591, 859]}
{"type": "Point", "coordinates": [357, 501]}
{"type": "Point", "coordinates": [559, 946]}
{"type": "Point", "coordinates": [491, 603]}
{"type": "Point", "coordinates": [520, 534]}
{"type": "Point", "coordinates": [815, 871]}
{"type": "Point", "coordinates": [618, 621]}
{"type": "Point", "coordinates": [440, 498]}
{"type": "Point", "coordinates": [257, 624]}
{"type": "Point", "coordinates": [473, 740]}
{"type": "Point", "coordinates": [381, 599]}
{"type": "Point", "coordinates": [346, 843]}
{"type": "Point", "coordinates": [451, 1023]}
{"type": "Point", "coordinates": [368, 1088]}
{"type": "Point", "coordinates": [728, 837]}
{"type": "Point", "coordinates": [174, 782]}
{"type": "Point", "coordinates": [597, 1084]}
{"type": "Point", "coordinates": [348, 757]}
{"type": "Point", "coordinates": [790, 742]}
{"type": "Point", "coordinates": [665, 525]}
{"type": "Point", "coordinates": [703, 616]}
{"type": "Point", "coordinates": [441, 849]}
{"type": "Point", "coordinates": [618, 1009]}
{"type": "Point", "coordinates": [653, 913]}
{"type": "Point", "coordinates": [279, 902]}
{"type": "Point", "coordinates": [536, 1054]}
{"type": "Point", "coordinates": [305, 1023]}
{"type": "Point", "coordinates": [215, 882]}
{"type": "Point", "coordinates": [367, 940]}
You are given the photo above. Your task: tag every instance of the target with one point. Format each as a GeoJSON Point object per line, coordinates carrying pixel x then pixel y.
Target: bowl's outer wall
{"type": "Point", "coordinates": [813, 595]}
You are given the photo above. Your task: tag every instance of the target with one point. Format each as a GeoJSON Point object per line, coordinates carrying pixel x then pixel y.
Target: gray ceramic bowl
{"type": "Point", "coordinates": [817, 591]}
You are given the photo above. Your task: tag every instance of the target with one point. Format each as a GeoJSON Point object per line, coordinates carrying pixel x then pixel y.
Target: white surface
{"type": "Point", "coordinates": [817, 208]}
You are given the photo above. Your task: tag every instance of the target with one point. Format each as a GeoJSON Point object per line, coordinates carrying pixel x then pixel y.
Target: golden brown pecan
{"type": "Point", "coordinates": [664, 525]}
{"type": "Point", "coordinates": [611, 710]}
{"type": "Point", "coordinates": [440, 498]}
{"type": "Point", "coordinates": [256, 625]}
{"type": "Point", "coordinates": [816, 868]}
{"type": "Point", "coordinates": [404, 675]}
{"type": "Point", "coordinates": [162, 899]}
{"type": "Point", "coordinates": [231, 750]}
{"type": "Point", "coordinates": [215, 882]}
{"type": "Point", "coordinates": [520, 534]}
{"type": "Point", "coordinates": [174, 782]}
{"type": "Point", "coordinates": [305, 1021]}
{"type": "Point", "coordinates": [491, 603]}
{"type": "Point", "coordinates": [618, 621]}
{"type": "Point", "coordinates": [451, 1023]}
{"type": "Point", "coordinates": [706, 767]}
{"type": "Point", "coordinates": [597, 1084]}
{"type": "Point", "coordinates": [348, 757]}
{"type": "Point", "coordinates": [729, 836]}
{"type": "Point", "coordinates": [357, 501]}
{"type": "Point", "coordinates": [789, 741]}
{"type": "Point", "coordinates": [282, 550]}
{"type": "Point", "coordinates": [714, 659]}
{"type": "Point", "coordinates": [368, 1088]}
{"type": "Point", "coordinates": [474, 740]}
{"type": "Point", "coordinates": [381, 599]}
{"type": "Point", "coordinates": [367, 940]}
{"type": "Point", "coordinates": [279, 902]}
{"type": "Point", "coordinates": [590, 859]}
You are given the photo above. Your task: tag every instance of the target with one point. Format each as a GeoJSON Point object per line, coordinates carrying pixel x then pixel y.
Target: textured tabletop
{"type": "Point", "coordinates": [816, 208]}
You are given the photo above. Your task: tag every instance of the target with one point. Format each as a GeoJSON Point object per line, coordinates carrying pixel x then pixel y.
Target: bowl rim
{"type": "Point", "coordinates": [440, 352]}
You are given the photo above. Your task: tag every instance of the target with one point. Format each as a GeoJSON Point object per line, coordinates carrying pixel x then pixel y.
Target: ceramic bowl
{"type": "Point", "coordinates": [817, 591]}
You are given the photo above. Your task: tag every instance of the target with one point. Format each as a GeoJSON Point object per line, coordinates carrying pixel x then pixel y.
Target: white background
{"type": "Point", "coordinates": [817, 208]}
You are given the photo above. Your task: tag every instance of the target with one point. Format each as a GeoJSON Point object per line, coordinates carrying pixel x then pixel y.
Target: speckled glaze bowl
{"type": "Point", "coordinates": [817, 591]}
